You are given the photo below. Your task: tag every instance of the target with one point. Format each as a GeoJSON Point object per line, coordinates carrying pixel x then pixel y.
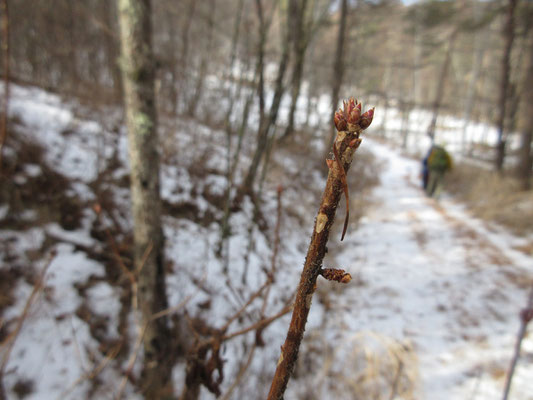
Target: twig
{"type": "Point", "coordinates": [245, 305]}
{"type": "Point", "coordinates": [268, 284]}
{"type": "Point", "coordinates": [129, 274]}
{"type": "Point", "coordinates": [10, 341]}
{"type": "Point", "coordinates": [525, 317]}
{"type": "Point", "coordinates": [139, 341]}
{"type": "Point", "coordinates": [96, 370]}
{"type": "Point", "coordinates": [241, 373]}
{"type": "Point", "coordinates": [273, 263]}
{"type": "Point", "coordinates": [349, 123]}
{"type": "Point", "coordinates": [131, 360]}
{"type": "Point", "coordinates": [276, 233]}
{"type": "Point", "coordinates": [258, 325]}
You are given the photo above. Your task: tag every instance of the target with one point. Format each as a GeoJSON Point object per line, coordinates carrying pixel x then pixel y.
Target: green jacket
{"type": "Point", "coordinates": [439, 159]}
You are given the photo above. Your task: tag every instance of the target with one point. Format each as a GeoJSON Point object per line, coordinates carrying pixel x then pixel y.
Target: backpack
{"type": "Point", "coordinates": [439, 159]}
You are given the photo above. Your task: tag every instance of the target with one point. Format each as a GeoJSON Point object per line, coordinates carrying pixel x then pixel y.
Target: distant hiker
{"type": "Point", "coordinates": [425, 170]}
{"type": "Point", "coordinates": [435, 165]}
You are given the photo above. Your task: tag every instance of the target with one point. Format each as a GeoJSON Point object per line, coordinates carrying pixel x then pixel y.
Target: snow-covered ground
{"type": "Point", "coordinates": [438, 291]}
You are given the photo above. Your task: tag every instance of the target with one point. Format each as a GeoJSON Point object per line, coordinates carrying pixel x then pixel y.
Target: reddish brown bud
{"type": "Point", "coordinates": [340, 121]}
{"type": "Point", "coordinates": [349, 106]}
{"type": "Point", "coordinates": [366, 119]}
{"type": "Point", "coordinates": [354, 116]}
{"type": "Point", "coordinates": [329, 163]}
{"type": "Point", "coordinates": [337, 275]}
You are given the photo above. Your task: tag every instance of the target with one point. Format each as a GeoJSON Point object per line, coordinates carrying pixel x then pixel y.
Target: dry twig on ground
{"type": "Point", "coordinates": [526, 315]}
{"type": "Point", "coordinates": [9, 342]}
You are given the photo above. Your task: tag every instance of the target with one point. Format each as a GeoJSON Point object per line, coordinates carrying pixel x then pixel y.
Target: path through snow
{"type": "Point", "coordinates": [434, 276]}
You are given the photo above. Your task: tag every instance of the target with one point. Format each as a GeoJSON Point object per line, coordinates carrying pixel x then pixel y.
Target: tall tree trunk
{"type": "Point", "coordinates": [233, 94]}
{"type": "Point", "coordinates": [184, 56]}
{"type": "Point", "coordinates": [300, 40]}
{"type": "Point", "coordinates": [265, 122]}
{"type": "Point", "coordinates": [441, 84]}
{"type": "Point", "coordinates": [386, 88]}
{"type": "Point", "coordinates": [113, 49]}
{"type": "Point", "coordinates": [338, 72]}
{"type": "Point", "coordinates": [202, 71]}
{"type": "Point", "coordinates": [526, 154]}
{"type": "Point", "coordinates": [508, 35]}
{"type": "Point", "coordinates": [471, 91]}
{"type": "Point", "coordinates": [70, 57]}
{"type": "Point", "coordinates": [405, 108]}
{"type": "Point", "coordinates": [138, 75]}
{"type": "Point", "coordinates": [5, 103]}
{"type": "Point", "coordinates": [167, 93]}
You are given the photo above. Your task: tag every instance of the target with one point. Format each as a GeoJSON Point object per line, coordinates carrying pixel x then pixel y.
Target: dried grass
{"type": "Point", "coordinates": [367, 365]}
{"type": "Point", "coordinates": [492, 197]}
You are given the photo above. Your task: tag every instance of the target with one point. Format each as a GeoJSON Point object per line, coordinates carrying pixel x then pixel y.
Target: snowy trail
{"type": "Point", "coordinates": [435, 276]}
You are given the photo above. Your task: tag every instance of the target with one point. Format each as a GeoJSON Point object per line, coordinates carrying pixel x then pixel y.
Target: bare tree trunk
{"type": "Point", "coordinates": [229, 72]}
{"type": "Point", "coordinates": [471, 91]}
{"type": "Point", "coordinates": [516, 88]}
{"type": "Point", "coordinates": [113, 50]}
{"type": "Point", "coordinates": [4, 118]}
{"type": "Point", "coordinates": [202, 71]}
{"type": "Point", "coordinates": [71, 55]}
{"type": "Point", "coordinates": [5, 103]}
{"type": "Point", "coordinates": [138, 76]}
{"type": "Point", "coordinates": [184, 56]}
{"type": "Point", "coordinates": [386, 88]}
{"type": "Point", "coordinates": [508, 34]}
{"type": "Point", "coordinates": [300, 40]}
{"type": "Point", "coordinates": [442, 84]}
{"type": "Point", "coordinates": [526, 155]}
{"type": "Point", "coordinates": [405, 107]}
{"type": "Point", "coordinates": [230, 170]}
{"type": "Point", "coordinates": [265, 123]}
{"type": "Point", "coordinates": [338, 72]}
{"type": "Point", "coordinates": [167, 92]}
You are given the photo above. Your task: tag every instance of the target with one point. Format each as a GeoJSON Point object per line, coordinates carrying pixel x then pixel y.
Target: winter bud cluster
{"type": "Point", "coordinates": [350, 117]}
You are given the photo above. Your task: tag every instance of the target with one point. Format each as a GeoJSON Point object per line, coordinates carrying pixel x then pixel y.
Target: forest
{"type": "Point", "coordinates": [266, 199]}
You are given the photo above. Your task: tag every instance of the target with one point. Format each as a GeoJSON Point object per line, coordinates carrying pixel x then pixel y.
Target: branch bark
{"type": "Point", "coordinates": [349, 125]}
{"type": "Point", "coordinates": [525, 318]}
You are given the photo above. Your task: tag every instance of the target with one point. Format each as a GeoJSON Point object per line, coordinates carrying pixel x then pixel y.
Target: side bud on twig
{"type": "Point", "coordinates": [337, 275]}
{"type": "Point", "coordinates": [340, 121]}
{"type": "Point", "coordinates": [366, 119]}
